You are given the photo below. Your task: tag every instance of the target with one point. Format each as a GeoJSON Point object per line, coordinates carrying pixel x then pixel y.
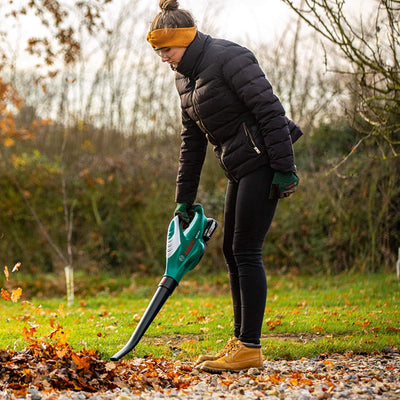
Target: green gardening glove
{"type": "Point", "coordinates": [283, 184]}
{"type": "Point", "coordinates": [183, 212]}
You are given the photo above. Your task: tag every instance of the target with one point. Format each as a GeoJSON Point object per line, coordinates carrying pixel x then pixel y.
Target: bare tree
{"type": "Point", "coordinates": [57, 46]}
{"type": "Point", "coordinates": [370, 51]}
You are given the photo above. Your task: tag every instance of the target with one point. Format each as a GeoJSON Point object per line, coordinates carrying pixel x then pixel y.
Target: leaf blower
{"type": "Point", "coordinates": [186, 245]}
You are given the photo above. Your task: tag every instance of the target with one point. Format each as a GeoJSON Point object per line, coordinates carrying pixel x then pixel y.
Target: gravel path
{"type": "Point", "coordinates": [326, 377]}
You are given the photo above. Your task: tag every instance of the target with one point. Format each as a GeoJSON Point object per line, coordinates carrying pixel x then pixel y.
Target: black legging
{"type": "Point", "coordinates": [248, 216]}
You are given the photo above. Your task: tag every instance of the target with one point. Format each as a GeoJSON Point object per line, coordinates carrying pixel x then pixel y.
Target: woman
{"type": "Point", "coordinates": [227, 101]}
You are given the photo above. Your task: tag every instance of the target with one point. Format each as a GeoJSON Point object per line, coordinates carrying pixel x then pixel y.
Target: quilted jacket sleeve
{"type": "Point", "coordinates": [294, 130]}
{"type": "Point", "coordinates": [191, 159]}
{"type": "Point", "coordinates": [245, 78]}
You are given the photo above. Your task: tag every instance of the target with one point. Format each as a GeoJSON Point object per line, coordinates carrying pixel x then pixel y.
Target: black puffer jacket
{"type": "Point", "coordinates": [226, 99]}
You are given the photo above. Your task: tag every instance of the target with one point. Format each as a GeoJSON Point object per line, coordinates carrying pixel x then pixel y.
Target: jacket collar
{"type": "Point", "coordinates": [188, 66]}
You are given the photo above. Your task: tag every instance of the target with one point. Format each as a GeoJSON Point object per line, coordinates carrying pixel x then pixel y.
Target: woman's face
{"type": "Point", "coordinates": [171, 55]}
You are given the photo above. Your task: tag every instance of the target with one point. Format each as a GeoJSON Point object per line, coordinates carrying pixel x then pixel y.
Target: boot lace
{"type": "Point", "coordinates": [231, 344]}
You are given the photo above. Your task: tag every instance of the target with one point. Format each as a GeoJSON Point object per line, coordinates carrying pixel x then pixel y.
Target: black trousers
{"type": "Point", "coordinates": [248, 216]}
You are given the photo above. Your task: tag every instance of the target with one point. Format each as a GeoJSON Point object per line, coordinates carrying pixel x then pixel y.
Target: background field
{"type": "Point", "coordinates": [304, 317]}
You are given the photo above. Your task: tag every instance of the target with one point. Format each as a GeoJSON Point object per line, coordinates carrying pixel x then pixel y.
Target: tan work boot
{"type": "Point", "coordinates": [208, 357]}
{"type": "Point", "coordinates": [238, 358]}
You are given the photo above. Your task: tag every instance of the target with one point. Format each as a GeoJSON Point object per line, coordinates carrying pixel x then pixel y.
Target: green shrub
{"type": "Point", "coordinates": [123, 200]}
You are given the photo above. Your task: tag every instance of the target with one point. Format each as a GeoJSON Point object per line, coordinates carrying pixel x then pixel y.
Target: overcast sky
{"type": "Point", "coordinates": [244, 21]}
{"type": "Point", "coordinates": [240, 19]}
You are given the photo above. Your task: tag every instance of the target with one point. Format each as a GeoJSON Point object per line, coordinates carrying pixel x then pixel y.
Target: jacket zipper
{"type": "Point", "coordinates": [198, 116]}
{"type": "Point", "coordinates": [248, 134]}
{"type": "Point", "coordinates": [210, 134]}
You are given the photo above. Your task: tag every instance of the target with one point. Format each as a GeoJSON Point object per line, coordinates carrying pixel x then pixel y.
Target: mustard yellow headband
{"type": "Point", "coordinates": [171, 37]}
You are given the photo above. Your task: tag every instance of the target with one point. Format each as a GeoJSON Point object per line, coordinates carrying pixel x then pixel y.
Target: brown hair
{"type": "Point", "coordinates": [171, 16]}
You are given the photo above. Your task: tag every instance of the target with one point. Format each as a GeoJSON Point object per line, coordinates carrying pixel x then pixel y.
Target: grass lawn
{"type": "Point", "coordinates": [304, 317]}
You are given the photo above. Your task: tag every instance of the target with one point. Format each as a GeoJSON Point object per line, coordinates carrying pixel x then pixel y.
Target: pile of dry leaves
{"type": "Point", "coordinates": [54, 366]}
{"type": "Point", "coordinates": [51, 366]}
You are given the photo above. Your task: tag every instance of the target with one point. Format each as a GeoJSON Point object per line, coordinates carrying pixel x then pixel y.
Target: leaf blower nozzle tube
{"type": "Point", "coordinates": [164, 290]}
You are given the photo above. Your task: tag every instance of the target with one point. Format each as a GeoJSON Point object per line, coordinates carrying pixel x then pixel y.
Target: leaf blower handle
{"type": "Point", "coordinates": [185, 212]}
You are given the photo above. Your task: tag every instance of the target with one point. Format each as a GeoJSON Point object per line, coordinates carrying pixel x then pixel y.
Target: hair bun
{"type": "Point", "coordinates": [167, 5]}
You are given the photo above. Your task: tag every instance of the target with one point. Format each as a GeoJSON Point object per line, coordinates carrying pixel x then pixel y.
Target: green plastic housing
{"type": "Point", "coordinates": [186, 246]}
